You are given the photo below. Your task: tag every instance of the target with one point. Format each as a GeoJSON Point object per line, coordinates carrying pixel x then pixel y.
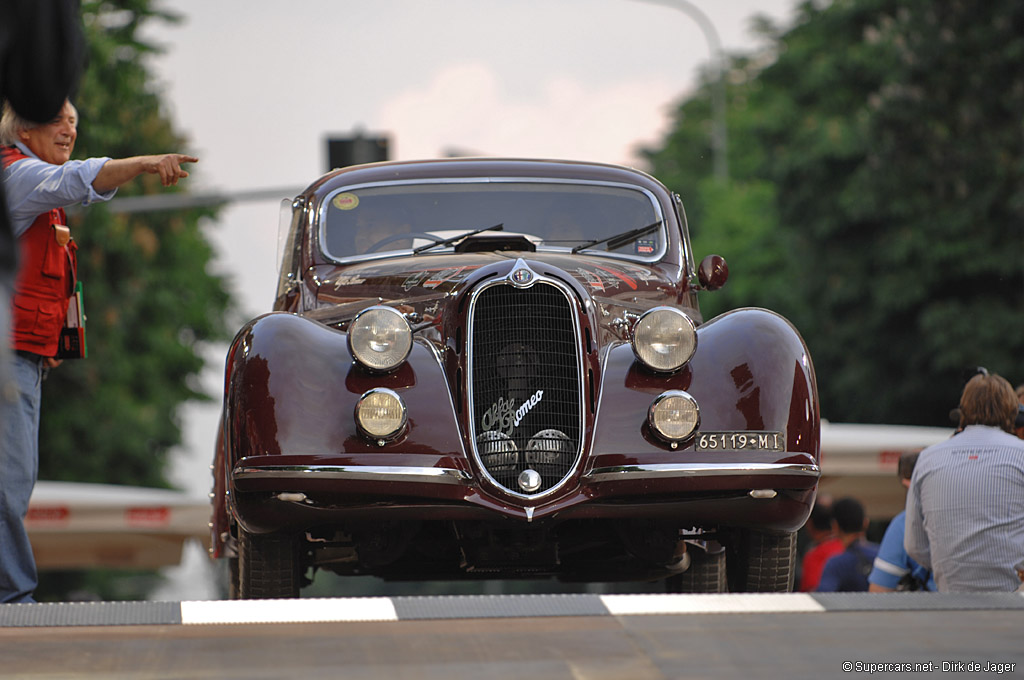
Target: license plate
{"type": "Point", "coordinates": [740, 441]}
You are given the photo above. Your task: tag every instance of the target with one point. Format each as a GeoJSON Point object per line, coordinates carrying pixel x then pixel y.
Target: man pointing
{"type": "Point", "coordinates": [40, 179]}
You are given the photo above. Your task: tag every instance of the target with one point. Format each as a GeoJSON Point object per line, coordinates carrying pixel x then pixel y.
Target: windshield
{"type": "Point", "coordinates": [373, 219]}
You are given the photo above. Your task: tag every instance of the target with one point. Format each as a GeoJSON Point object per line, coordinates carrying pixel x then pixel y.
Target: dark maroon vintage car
{"type": "Point", "coordinates": [486, 368]}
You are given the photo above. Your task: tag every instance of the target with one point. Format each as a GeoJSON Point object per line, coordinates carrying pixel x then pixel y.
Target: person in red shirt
{"type": "Point", "coordinates": [39, 180]}
{"type": "Point", "coordinates": [824, 544]}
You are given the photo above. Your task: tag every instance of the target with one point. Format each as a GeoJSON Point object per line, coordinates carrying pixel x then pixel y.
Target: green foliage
{"type": "Point", "coordinates": [102, 585]}
{"type": "Point", "coordinates": [877, 196]}
{"type": "Point", "coordinates": [149, 298]}
{"type": "Point", "coordinates": [743, 215]}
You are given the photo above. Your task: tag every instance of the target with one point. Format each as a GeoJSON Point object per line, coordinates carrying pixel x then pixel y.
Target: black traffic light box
{"type": "Point", "coordinates": [355, 150]}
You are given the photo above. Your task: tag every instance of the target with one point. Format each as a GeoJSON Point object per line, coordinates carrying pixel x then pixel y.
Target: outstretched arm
{"type": "Point", "coordinates": [117, 171]}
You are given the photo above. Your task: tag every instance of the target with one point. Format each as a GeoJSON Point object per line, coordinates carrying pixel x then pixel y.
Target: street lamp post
{"type": "Point", "coordinates": [719, 140]}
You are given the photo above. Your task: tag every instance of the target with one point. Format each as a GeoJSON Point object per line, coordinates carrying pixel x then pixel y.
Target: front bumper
{"type": "Point", "coordinates": [269, 494]}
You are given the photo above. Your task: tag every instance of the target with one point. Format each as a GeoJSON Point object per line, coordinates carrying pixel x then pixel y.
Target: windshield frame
{"type": "Point", "coordinates": [325, 202]}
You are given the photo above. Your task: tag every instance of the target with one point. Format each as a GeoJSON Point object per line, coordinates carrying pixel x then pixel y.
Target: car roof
{"type": "Point", "coordinates": [395, 171]}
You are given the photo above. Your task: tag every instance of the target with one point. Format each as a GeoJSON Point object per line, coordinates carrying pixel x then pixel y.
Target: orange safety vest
{"type": "Point", "coordinates": [45, 282]}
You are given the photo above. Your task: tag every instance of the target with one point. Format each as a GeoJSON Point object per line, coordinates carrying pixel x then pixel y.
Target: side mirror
{"type": "Point", "coordinates": [713, 272]}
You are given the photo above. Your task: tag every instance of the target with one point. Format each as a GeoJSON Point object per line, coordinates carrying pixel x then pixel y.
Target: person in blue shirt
{"type": "Point", "coordinates": [42, 50]}
{"type": "Point", "coordinates": [848, 571]}
{"type": "Point", "coordinates": [893, 568]}
{"type": "Point", "coordinates": [39, 180]}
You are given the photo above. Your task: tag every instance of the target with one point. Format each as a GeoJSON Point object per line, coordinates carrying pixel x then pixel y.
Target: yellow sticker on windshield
{"type": "Point", "coordinates": [345, 201]}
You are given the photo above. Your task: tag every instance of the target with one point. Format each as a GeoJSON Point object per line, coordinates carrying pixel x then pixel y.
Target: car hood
{"type": "Point", "coordinates": [409, 280]}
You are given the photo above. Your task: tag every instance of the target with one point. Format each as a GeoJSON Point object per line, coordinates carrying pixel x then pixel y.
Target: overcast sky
{"type": "Point", "coordinates": [257, 86]}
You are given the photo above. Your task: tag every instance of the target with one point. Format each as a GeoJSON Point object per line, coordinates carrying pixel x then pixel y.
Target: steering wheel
{"type": "Point", "coordinates": [400, 237]}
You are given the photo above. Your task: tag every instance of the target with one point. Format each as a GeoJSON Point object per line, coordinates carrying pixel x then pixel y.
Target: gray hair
{"type": "Point", "coordinates": [11, 124]}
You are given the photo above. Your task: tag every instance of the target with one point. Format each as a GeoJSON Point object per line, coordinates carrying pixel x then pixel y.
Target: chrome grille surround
{"type": "Point", "coordinates": [525, 381]}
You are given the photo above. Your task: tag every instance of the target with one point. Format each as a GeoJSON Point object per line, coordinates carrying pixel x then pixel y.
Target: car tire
{"type": "Point", "coordinates": [760, 562]}
{"type": "Point", "coordinates": [268, 566]}
{"type": "Point", "coordinates": [234, 592]}
{"type": "Point", "coordinates": [706, 574]}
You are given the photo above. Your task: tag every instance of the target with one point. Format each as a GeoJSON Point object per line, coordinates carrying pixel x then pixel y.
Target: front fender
{"type": "Point", "coordinates": [751, 371]}
{"type": "Point", "coordinates": [292, 388]}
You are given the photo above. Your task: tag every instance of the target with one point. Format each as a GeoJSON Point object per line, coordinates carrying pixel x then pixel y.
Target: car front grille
{"type": "Point", "coordinates": [525, 382]}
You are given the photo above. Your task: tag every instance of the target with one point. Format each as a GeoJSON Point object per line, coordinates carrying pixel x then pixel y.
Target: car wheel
{"type": "Point", "coordinates": [268, 566]}
{"type": "Point", "coordinates": [234, 593]}
{"type": "Point", "coordinates": [760, 562]}
{"type": "Point", "coordinates": [706, 574]}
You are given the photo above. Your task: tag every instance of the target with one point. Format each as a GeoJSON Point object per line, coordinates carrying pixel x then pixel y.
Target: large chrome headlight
{"type": "Point", "coordinates": [380, 338]}
{"type": "Point", "coordinates": [381, 414]}
{"type": "Point", "coordinates": [664, 339]}
{"type": "Point", "coordinates": [674, 415]}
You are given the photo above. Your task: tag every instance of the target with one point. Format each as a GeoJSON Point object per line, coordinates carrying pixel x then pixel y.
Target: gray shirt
{"type": "Point", "coordinates": [965, 511]}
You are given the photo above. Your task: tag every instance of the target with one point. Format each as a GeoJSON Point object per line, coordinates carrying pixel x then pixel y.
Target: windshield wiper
{"type": "Point", "coordinates": [459, 237]}
{"type": "Point", "coordinates": [618, 240]}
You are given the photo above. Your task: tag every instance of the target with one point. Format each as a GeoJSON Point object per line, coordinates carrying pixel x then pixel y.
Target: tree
{"type": "Point", "coordinates": [149, 297]}
{"type": "Point", "coordinates": [888, 133]}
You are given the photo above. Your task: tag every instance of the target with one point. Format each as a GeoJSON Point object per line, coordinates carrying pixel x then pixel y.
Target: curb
{"type": "Point", "coordinates": [312, 610]}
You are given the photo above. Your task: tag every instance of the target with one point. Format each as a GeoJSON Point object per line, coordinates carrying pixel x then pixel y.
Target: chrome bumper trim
{"type": "Point", "coordinates": [668, 470]}
{"type": "Point", "coordinates": [354, 473]}
{"type": "Point", "coordinates": [431, 475]}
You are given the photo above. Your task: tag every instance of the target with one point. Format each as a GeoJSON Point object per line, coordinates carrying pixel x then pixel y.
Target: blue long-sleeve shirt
{"type": "Point", "coordinates": [893, 562]}
{"type": "Point", "coordinates": [33, 187]}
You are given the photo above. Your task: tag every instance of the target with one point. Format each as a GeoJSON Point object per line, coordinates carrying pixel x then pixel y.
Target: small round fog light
{"type": "Point", "coordinates": [380, 413]}
{"type": "Point", "coordinates": [674, 415]}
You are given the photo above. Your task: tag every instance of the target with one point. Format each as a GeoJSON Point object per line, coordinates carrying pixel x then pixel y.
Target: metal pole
{"type": "Point", "coordinates": [719, 141]}
{"type": "Point", "coordinates": [183, 200]}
